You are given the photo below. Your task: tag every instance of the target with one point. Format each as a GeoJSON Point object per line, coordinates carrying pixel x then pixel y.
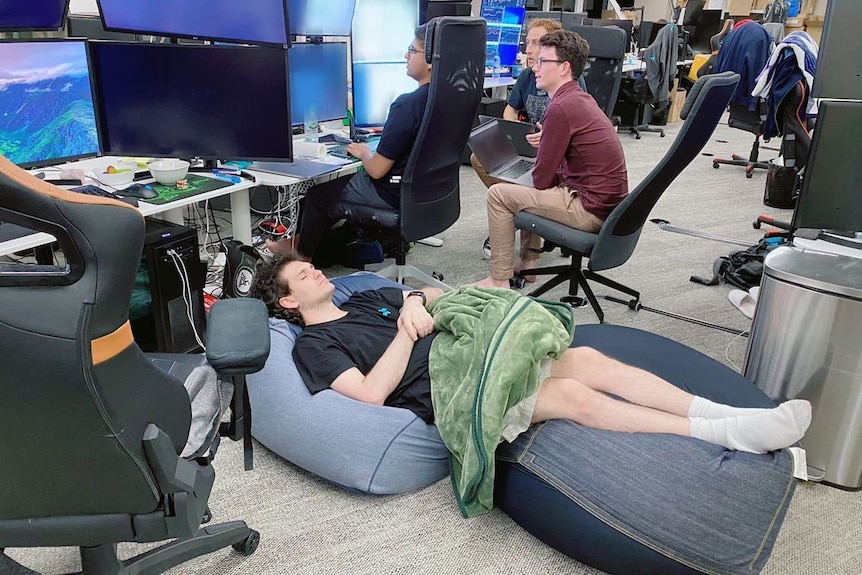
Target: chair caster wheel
{"type": "Point", "coordinates": [756, 224]}
{"type": "Point", "coordinates": [748, 175]}
{"type": "Point", "coordinates": [207, 516]}
{"type": "Point", "coordinates": [437, 276]}
{"type": "Point", "coordinates": [662, 134]}
{"type": "Point", "coordinates": [575, 301]}
{"type": "Point", "coordinates": [637, 136]}
{"type": "Point", "coordinates": [248, 545]}
{"type": "Point", "coordinates": [715, 165]}
{"type": "Point", "coordinates": [634, 304]}
{"type": "Point", "coordinates": [517, 282]}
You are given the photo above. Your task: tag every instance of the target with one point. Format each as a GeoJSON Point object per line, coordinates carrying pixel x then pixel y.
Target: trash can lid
{"type": "Point", "coordinates": [831, 273]}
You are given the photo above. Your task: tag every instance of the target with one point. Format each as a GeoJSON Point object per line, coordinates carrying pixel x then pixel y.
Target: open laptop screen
{"type": "Point", "coordinates": [491, 146]}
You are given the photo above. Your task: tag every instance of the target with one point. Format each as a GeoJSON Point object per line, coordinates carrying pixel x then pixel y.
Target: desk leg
{"type": "Point", "coordinates": [240, 215]}
{"type": "Point", "coordinates": [174, 216]}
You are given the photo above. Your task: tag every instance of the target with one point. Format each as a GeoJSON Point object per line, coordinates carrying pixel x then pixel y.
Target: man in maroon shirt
{"type": "Point", "coordinates": [580, 173]}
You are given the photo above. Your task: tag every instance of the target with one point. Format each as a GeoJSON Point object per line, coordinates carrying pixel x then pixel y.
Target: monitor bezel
{"type": "Point", "coordinates": [63, 18]}
{"type": "Point", "coordinates": [208, 157]}
{"type": "Point", "coordinates": [67, 159]}
{"type": "Point", "coordinates": [347, 65]}
{"type": "Point", "coordinates": [286, 44]}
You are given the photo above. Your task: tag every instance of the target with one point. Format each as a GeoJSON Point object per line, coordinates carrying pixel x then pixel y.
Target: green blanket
{"type": "Point", "coordinates": [485, 362]}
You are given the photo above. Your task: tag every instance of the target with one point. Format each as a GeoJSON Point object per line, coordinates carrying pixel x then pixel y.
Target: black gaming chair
{"type": "Point", "coordinates": [616, 240]}
{"type": "Point", "coordinates": [430, 186]}
{"type": "Point", "coordinates": [90, 429]}
{"type": "Point", "coordinates": [604, 71]}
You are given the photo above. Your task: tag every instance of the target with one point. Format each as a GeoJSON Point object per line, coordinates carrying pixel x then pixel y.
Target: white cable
{"type": "Point", "coordinates": [727, 349]}
{"type": "Point", "coordinates": [187, 292]}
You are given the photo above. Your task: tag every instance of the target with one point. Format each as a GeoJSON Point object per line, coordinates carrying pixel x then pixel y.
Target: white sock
{"type": "Point", "coordinates": [703, 407]}
{"type": "Point", "coordinates": [757, 433]}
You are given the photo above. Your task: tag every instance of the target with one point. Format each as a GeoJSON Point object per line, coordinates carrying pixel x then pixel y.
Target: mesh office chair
{"type": "Point", "coordinates": [745, 51]}
{"type": "Point", "coordinates": [604, 70]}
{"type": "Point", "coordinates": [90, 429]}
{"type": "Point", "coordinates": [652, 88]}
{"type": "Point", "coordinates": [430, 186]}
{"type": "Point", "coordinates": [616, 240]}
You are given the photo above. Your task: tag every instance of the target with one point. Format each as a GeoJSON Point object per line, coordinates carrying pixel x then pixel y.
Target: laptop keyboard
{"type": "Point", "coordinates": [340, 151]}
{"type": "Point", "coordinates": [516, 170]}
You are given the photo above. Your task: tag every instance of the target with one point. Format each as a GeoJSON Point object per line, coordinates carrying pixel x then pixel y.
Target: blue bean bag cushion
{"type": "Point", "coordinates": [369, 448]}
{"type": "Point", "coordinates": [649, 503]}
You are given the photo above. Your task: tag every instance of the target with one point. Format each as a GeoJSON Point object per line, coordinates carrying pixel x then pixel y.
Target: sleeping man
{"type": "Point", "coordinates": [378, 348]}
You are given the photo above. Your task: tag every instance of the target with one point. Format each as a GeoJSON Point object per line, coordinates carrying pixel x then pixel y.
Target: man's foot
{"type": "Point", "coordinates": [759, 433]}
{"type": "Point", "coordinates": [490, 282]}
{"type": "Point", "coordinates": [523, 266]}
{"type": "Point", "coordinates": [486, 249]}
{"type": "Point", "coordinates": [290, 244]}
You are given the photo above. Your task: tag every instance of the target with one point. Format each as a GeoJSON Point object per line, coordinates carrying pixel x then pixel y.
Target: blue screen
{"type": "Point", "coordinates": [375, 87]}
{"type": "Point", "coordinates": [46, 102]}
{"type": "Point", "coordinates": [32, 14]}
{"type": "Point", "coordinates": [505, 19]}
{"type": "Point", "coordinates": [210, 102]}
{"type": "Point", "coordinates": [262, 21]}
{"type": "Point", "coordinates": [318, 78]}
{"type": "Point", "coordinates": [382, 31]}
{"type": "Point", "coordinates": [321, 17]}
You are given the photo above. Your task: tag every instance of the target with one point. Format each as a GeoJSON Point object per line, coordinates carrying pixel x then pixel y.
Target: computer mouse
{"type": "Point", "coordinates": [139, 191]}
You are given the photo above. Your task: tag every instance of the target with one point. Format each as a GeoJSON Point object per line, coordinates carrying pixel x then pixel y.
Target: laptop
{"type": "Point", "coordinates": [340, 151]}
{"type": "Point", "coordinates": [517, 133]}
{"type": "Point", "coordinates": [498, 155]}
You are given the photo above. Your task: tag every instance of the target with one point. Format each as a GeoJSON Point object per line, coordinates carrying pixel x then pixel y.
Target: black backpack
{"type": "Point", "coordinates": [743, 268]}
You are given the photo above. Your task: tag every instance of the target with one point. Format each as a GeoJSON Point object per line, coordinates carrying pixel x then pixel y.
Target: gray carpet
{"type": "Point", "coordinates": [310, 527]}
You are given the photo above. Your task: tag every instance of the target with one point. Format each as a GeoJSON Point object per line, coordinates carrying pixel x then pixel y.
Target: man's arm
{"type": "Point", "coordinates": [414, 316]}
{"type": "Point", "coordinates": [383, 378]}
{"type": "Point", "coordinates": [552, 149]}
{"type": "Point", "coordinates": [376, 165]}
{"type": "Point", "coordinates": [510, 113]}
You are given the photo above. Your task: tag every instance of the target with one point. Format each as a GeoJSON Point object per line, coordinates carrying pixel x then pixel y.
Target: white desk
{"type": "Point", "coordinates": [499, 82]}
{"type": "Point", "coordinates": [171, 211]}
{"type": "Point", "coordinates": [629, 67]}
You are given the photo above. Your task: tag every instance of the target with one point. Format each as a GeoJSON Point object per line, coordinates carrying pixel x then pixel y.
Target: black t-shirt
{"type": "Point", "coordinates": [399, 134]}
{"type": "Point", "coordinates": [528, 98]}
{"type": "Point", "coordinates": [325, 351]}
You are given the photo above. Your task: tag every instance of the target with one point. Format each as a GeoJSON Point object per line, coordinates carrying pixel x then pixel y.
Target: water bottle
{"type": "Point", "coordinates": [495, 67]}
{"type": "Point", "coordinates": [311, 127]}
{"type": "Point", "coordinates": [793, 9]}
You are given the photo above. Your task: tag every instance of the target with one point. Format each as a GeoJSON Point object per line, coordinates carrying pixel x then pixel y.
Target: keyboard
{"type": "Point", "coordinates": [340, 151]}
{"type": "Point", "coordinates": [516, 170]}
{"type": "Point", "coordinates": [90, 190]}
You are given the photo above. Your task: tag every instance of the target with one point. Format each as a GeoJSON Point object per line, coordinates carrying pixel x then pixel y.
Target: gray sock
{"type": "Point", "coordinates": [703, 407]}
{"type": "Point", "coordinates": [757, 433]}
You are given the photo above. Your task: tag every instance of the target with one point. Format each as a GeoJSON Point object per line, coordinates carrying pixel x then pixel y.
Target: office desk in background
{"type": "Point", "coordinates": [171, 211]}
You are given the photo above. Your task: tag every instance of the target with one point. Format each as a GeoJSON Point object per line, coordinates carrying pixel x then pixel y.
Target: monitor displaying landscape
{"type": "Point", "coordinates": [46, 102]}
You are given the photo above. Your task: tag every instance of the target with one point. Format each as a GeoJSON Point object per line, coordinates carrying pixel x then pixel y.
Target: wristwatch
{"type": "Point", "coordinates": [419, 294]}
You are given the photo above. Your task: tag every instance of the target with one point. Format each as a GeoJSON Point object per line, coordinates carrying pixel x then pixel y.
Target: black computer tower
{"type": "Point", "coordinates": [172, 259]}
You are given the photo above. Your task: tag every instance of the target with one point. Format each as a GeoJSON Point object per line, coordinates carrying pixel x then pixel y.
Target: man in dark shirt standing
{"type": "Point", "coordinates": [378, 184]}
{"type": "Point", "coordinates": [580, 174]}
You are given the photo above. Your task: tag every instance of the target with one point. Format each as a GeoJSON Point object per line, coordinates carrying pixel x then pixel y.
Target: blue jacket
{"type": "Point", "coordinates": [746, 52]}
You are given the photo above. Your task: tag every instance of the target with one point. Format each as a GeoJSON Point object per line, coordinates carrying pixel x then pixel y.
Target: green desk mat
{"type": "Point", "coordinates": [197, 185]}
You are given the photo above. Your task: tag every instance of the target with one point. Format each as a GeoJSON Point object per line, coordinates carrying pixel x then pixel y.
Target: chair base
{"type": "Point", "coordinates": [103, 560]}
{"type": "Point", "coordinates": [770, 221]}
{"type": "Point", "coordinates": [737, 160]}
{"type": "Point", "coordinates": [578, 278]}
{"type": "Point", "coordinates": [399, 272]}
{"type": "Point", "coordinates": [636, 130]}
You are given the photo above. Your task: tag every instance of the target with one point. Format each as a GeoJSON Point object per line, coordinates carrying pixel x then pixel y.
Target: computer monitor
{"type": "Point", "coordinates": [626, 25]}
{"type": "Point", "coordinates": [437, 8]}
{"type": "Point", "coordinates": [375, 87]}
{"type": "Point", "coordinates": [20, 15]}
{"type": "Point", "coordinates": [227, 20]}
{"type": "Point", "coordinates": [572, 19]}
{"type": "Point", "coordinates": [382, 31]}
{"type": "Point", "coordinates": [839, 59]}
{"type": "Point", "coordinates": [831, 193]}
{"type": "Point", "coordinates": [46, 102]}
{"type": "Point", "coordinates": [707, 25]}
{"type": "Point", "coordinates": [321, 17]}
{"type": "Point", "coordinates": [318, 79]}
{"type": "Point", "coordinates": [183, 101]}
{"type": "Point", "coordinates": [505, 19]}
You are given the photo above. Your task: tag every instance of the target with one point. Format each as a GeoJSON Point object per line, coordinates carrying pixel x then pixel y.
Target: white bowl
{"type": "Point", "coordinates": [125, 173]}
{"type": "Point", "coordinates": [167, 172]}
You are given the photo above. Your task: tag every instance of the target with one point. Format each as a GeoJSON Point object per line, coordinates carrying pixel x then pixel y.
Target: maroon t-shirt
{"type": "Point", "coordinates": [580, 149]}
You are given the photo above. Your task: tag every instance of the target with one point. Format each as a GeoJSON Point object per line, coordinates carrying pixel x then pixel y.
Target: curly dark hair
{"type": "Point", "coordinates": [571, 48]}
{"type": "Point", "coordinates": [269, 287]}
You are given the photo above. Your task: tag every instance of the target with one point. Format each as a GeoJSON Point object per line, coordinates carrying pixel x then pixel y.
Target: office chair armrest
{"type": "Point", "coordinates": [237, 336]}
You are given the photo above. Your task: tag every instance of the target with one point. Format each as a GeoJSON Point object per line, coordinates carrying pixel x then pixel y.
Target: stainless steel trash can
{"type": "Point", "coordinates": [806, 342]}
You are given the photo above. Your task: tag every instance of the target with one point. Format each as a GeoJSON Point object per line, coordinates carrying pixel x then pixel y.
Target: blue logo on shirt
{"type": "Point", "coordinates": [385, 312]}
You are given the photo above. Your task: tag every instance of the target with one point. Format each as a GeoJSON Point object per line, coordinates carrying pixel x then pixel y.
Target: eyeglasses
{"type": "Point", "coordinates": [542, 61]}
{"type": "Point", "coordinates": [412, 50]}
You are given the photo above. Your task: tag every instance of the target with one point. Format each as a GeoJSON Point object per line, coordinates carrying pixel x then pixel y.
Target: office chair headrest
{"type": "Point", "coordinates": [430, 27]}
